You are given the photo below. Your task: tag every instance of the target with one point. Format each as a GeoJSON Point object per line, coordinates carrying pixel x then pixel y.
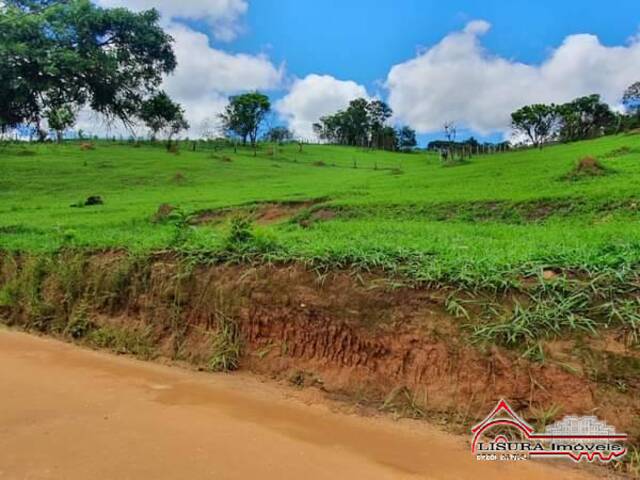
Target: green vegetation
{"type": "Point", "coordinates": [497, 213]}
{"type": "Point", "coordinates": [510, 222]}
{"type": "Point", "coordinates": [226, 347]}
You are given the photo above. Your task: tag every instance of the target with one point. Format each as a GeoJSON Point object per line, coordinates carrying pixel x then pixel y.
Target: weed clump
{"type": "Point", "coordinates": [25, 153]}
{"type": "Point", "coordinates": [403, 403]}
{"type": "Point", "coordinates": [618, 152]}
{"type": "Point", "coordinates": [183, 228]}
{"type": "Point", "coordinates": [79, 325]}
{"type": "Point", "coordinates": [133, 341]}
{"type": "Point", "coordinates": [163, 214]}
{"type": "Point", "coordinates": [91, 201]}
{"type": "Point", "coordinates": [240, 232]}
{"type": "Point", "coordinates": [226, 347]}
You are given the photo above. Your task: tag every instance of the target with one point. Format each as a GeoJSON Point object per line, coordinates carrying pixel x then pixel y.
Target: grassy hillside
{"type": "Point", "coordinates": [497, 216]}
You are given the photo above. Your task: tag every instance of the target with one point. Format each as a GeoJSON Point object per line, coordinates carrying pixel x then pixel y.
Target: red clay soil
{"type": "Point", "coordinates": [360, 336]}
{"type": "Point", "coordinates": [262, 213]}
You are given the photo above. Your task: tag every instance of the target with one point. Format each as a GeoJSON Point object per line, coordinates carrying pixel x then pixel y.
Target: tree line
{"type": "Point", "coordinates": [580, 119]}
{"type": "Point", "coordinates": [58, 57]}
{"type": "Point", "coordinates": [364, 123]}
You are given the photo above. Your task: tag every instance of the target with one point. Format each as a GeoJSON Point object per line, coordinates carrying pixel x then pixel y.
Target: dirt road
{"type": "Point", "coordinates": [70, 413]}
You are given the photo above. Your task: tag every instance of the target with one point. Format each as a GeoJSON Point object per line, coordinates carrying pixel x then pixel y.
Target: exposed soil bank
{"type": "Point", "coordinates": [356, 335]}
{"type": "Point", "coordinates": [69, 413]}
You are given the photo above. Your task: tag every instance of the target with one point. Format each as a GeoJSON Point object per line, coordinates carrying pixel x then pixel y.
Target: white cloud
{"type": "Point", "coordinates": [202, 67]}
{"type": "Point", "coordinates": [314, 96]}
{"type": "Point", "coordinates": [222, 16]}
{"type": "Point", "coordinates": [457, 79]}
{"type": "Point", "coordinates": [205, 76]}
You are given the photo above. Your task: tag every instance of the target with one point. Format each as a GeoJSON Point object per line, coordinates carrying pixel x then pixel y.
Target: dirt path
{"type": "Point", "coordinates": [69, 413]}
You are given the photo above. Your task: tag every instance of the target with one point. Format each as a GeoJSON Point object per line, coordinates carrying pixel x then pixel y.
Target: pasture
{"type": "Point", "coordinates": [495, 215]}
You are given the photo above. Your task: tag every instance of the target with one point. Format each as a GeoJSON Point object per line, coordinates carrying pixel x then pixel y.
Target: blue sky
{"type": "Point", "coordinates": [471, 62]}
{"type": "Point", "coordinates": [361, 39]}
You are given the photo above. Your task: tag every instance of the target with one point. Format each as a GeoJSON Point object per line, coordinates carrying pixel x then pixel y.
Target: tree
{"type": "Point", "coordinates": [60, 119]}
{"type": "Point", "coordinates": [362, 123]}
{"type": "Point", "coordinates": [73, 53]}
{"type": "Point", "coordinates": [279, 135]}
{"type": "Point", "coordinates": [357, 122]}
{"type": "Point", "coordinates": [162, 115]}
{"type": "Point", "coordinates": [585, 117]}
{"type": "Point", "coordinates": [631, 99]}
{"type": "Point", "coordinates": [244, 115]}
{"type": "Point", "coordinates": [407, 138]}
{"type": "Point", "coordinates": [537, 122]}
{"type": "Point", "coordinates": [378, 112]}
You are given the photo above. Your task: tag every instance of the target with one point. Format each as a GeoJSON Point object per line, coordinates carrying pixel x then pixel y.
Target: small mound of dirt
{"type": "Point", "coordinates": [587, 167]}
{"type": "Point", "coordinates": [179, 178]}
{"type": "Point", "coordinates": [277, 212]}
{"type": "Point", "coordinates": [319, 163]}
{"type": "Point", "coordinates": [319, 215]}
{"type": "Point", "coordinates": [590, 166]}
{"type": "Point", "coordinates": [163, 213]}
{"type": "Point", "coordinates": [87, 146]}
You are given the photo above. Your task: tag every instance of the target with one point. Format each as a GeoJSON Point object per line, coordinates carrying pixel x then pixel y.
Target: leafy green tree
{"type": "Point", "coordinates": [334, 128]}
{"type": "Point", "coordinates": [244, 115]}
{"type": "Point", "coordinates": [162, 115]}
{"type": "Point", "coordinates": [357, 122]}
{"type": "Point", "coordinates": [279, 134]}
{"type": "Point", "coordinates": [362, 123]}
{"type": "Point", "coordinates": [585, 117]}
{"type": "Point", "coordinates": [60, 119]}
{"type": "Point", "coordinates": [407, 138]}
{"type": "Point", "coordinates": [388, 139]}
{"type": "Point", "coordinates": [75, 53]}
{"type": "Point", "coordinates": [537, 122]}
{"type": "Point", "coordinates": [378, 112]}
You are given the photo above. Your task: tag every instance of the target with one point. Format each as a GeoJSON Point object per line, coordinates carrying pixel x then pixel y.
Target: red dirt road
{"type": "Point", "coordinates": [70, 413]}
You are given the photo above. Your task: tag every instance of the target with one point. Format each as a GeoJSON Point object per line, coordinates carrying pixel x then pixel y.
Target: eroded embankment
{"type": "Point", "coordinates": [376, 340]}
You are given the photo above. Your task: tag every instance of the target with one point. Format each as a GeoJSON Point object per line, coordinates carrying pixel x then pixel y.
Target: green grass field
{"type": "Point", "coordinates": [477, 222]}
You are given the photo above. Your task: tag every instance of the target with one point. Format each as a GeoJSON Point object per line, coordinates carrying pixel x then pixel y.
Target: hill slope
{"type": "Point", "coordinates": [483, 219]}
